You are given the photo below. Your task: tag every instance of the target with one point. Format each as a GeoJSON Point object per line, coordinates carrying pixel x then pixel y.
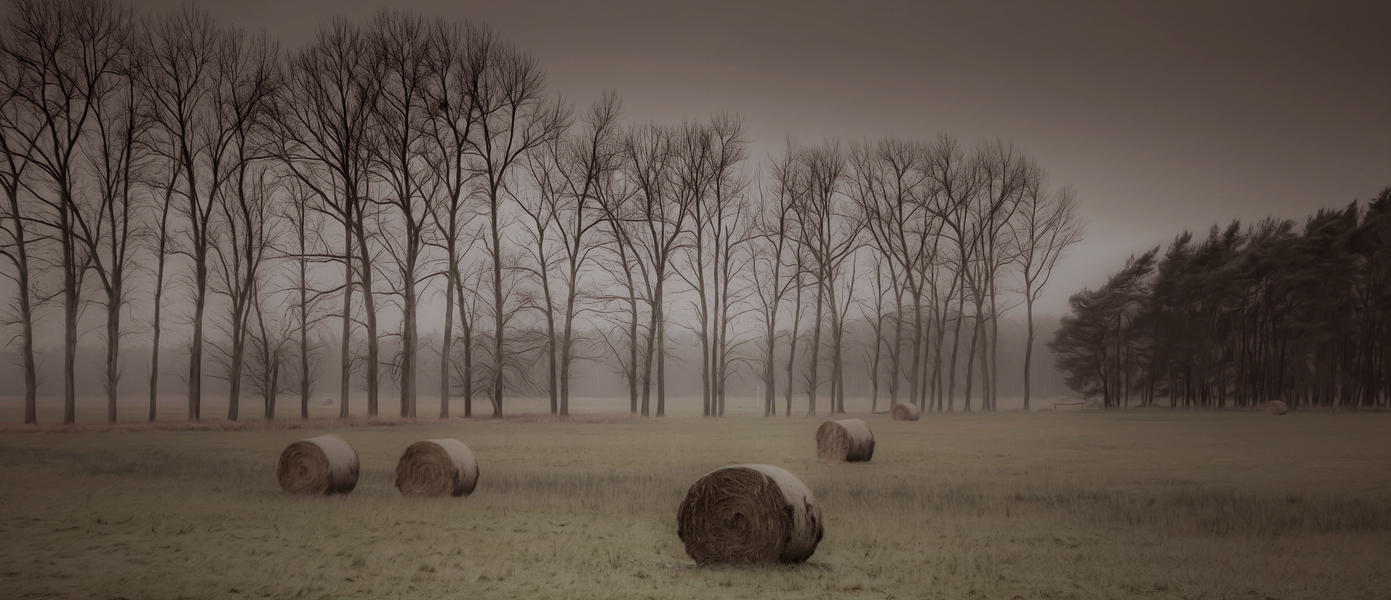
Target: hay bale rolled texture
{"type": "Point", "coordinates": [318, 465]}
{"type": "Point", "coordinates": [847, 440]}
{"type": "Point", "coordinates": [906, 412]}
{"type": "Point", "coordinates": [749, 514]}
{"type": "Point", "coordinates": [1276, 407]}
{"type": "Point", "coordinates": [443, 467]}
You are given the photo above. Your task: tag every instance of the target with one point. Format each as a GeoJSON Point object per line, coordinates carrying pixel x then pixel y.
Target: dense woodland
{"type": "Point", "coordinates": [181, 177]}
{"type": "Point", "coordinates": [1271, 311]}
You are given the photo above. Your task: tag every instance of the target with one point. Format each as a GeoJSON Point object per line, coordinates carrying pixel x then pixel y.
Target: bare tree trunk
{"type": "Point", "coordinates": [895, 355]}
{"type": "Point", "coordinates": [567, 342]}
{"type": "Point", "coordinates": [650, 355]}
{"type": "Point", "coordinates": [812, 381]}
{"type": "Point", "coordinates": [994, 351]}
{"type": "Point", "coordinates": [447, 346]}
{"type": "Point", "coordinates": [955, 350]}
{"type": "Point", "coordinates": [303, 344]}
{"type": "Point", "coordinates": [345, 379]}
{"type": "Point", "coordinates": [552, 368]}
{"type": "Point", "coordinates": [633, 352]}
{"type": "Point", "coordinates": [195, 354]}
{"type": "Point", "coordinates": [499, 310]}
{"type": "Point", "coordinates": [113, 345]}
{"type": "Point", "coordinates": [20, 258]}
{"type": "Point", "coordinates": [71, 284]}
{"type": "Point", "coordinates": [156, 324]}
{"type": "Point", "coordinates": [792, 344]}
{"type": "Point", "coordinates": [466, 326]}
{"type": "Point", "coordinates": [661, 319]}
{"type": "Point", "coordinates": [409, 340]}
{"type": "Point", "coordinates": [970, 359]}
{"type": "Point", "coordinates": [369, 306]}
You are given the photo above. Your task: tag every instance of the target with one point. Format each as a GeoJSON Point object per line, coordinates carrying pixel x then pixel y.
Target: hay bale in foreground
{"type": "Point", "coordinates": [749, 514]}
{"type": "Point", "coordinates": [906, 412]}
{"type": "Point", "coordinates": [846, 440]}
{"type": "Point", "coordinates": [1276, 407]}
{"type": "Point", "coordinates": [318, 465]}
{"type": "Point", "coordinates": [443, 467]}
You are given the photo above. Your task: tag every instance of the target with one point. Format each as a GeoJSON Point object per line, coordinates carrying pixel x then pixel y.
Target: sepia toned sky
{"type": "Point", "coordinates": [1161, 115]}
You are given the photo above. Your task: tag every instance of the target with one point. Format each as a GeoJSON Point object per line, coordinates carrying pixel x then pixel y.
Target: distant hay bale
{"type": "Point", "coordinates": [1276, 407]}
{"type": "Point", "coordinates": [318, 465]}
{"type": "Point", "coordinates": [848, 440]}
{"type": "Point", "coordinates": [443, 467]}
{"type": "Point", "coordinates": [906, 412]}
{"type": "Point", "coordinates": [749, 514]}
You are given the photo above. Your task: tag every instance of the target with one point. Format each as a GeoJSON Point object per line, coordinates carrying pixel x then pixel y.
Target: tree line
{"type": "Point", "coordinates": [1271, 311]}
{"type": "Point", "coordinates": [286, 194]}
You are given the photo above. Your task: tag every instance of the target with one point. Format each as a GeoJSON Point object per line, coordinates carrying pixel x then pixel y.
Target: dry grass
{"type": "Point", "coordinates": [1042, 505]}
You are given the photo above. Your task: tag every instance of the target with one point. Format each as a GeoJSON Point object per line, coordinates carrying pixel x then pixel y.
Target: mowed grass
{"type": "Point", "coordinates": [1009, 505]}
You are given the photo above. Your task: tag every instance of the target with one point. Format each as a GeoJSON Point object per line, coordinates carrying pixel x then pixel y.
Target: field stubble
{"type": "Point", "coordinates": [1008, 505]}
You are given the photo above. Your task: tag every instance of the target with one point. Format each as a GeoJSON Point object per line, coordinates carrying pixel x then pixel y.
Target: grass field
{"type": "Point", "coordinates": [1010, 505]}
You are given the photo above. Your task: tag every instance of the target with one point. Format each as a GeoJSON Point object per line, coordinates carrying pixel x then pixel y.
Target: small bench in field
{"type": "Point", "coordinates": [1069, 405]}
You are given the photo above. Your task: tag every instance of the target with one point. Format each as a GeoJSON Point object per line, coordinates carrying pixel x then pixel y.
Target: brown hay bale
{"type": "Point", "coordinates": [437, 468]}
{"type": "Point", "coordinates": [749, 514]}
{"type": "Point", "coordinates": [318, 465]}
{"type": "Point", "coordinates": [906, 412]}
{"type": "Point", "coordinates": [847, 440]}
{"type": "Point", "coordinates": [1276, 407]}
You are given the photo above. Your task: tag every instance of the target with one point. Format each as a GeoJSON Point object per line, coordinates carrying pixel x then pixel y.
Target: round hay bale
{"type": "Point", "coordinates": [318, 465]}
{"type": "Point", "coordinates": [906, 412]}
{"type": "Point", "coordinates": [847, 440]}
{"type": "Point", "coordinates": [443, 467]}
{"type": "Point", "coordinates": [749, 514]}
{"type": "Point", "coordinates": [1276, 407]}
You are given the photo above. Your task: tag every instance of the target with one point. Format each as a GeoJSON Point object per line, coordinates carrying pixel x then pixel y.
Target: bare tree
{"type": "Point", "coordinates": [455, 59]}
{"type": "Point", "coordinates": [399, 42]}
{"type": "Point", "coordinates": [709, 174]}
{"type": "Point", "coordinates": [241, 86]}
{"type": "Point", "coordinates": [322, 119]}
{"type": "Point", "coordinates": [540, 209]}
{"type": "Point", "coordinates": [161, 242]}
{"type": "Point", "coordinates": [107, 227]}
{"type": "Point", "coordinates": [829, 235]}
{"type": "Point", "coordinates": [772, 277]}
{"type": "Point", "coordinates": [872, 310]}
{"type": "Point", "coordinates": [695, 180]}
{"type": "Point", "coordinates": [19, 133]}
{"type": "Point", "coordinates": [270, 342]}
{"type": "Point", "coordinates": [1005, 174]}
{"type": "Point", "coordinates": [954, 185]}
{"type": "Point", "coordinates": [568, 175]}
{"type": "Point", "coordinates": [660, 209]}
{"type": "Point", "coordinates": [617, 205]}
{"type": "Point", "coordinates": [888, 187]}
{"type": "Point", "coordinates": [301, 220]}
{"type": "Point", "coordinates": [63, 56]}
{"type": "Point", "coordinates": [189, 83]}
{"type": "Point", "coordinates": [730, 239]}
{"type": "Point", "coordinates": [1045, 225]}
{"type": "Point", "coordinates": [513, 118]}
{"type": "Point", "coordinates": [591, 164]}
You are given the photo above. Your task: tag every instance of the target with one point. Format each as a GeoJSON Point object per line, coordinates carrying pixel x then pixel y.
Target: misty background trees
{"type": "Point", "coordinates": [269, 210]}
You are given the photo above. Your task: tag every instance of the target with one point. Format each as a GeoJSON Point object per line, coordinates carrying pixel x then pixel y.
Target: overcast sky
{"type": "Point", "coordinates": [1163, 116]}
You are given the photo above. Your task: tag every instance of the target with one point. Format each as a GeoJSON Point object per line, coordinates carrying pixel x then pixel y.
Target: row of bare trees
{"type": "Point", "coordinates": [402, 159]}
{"type": "Point", "coordinates": [941, 229]}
